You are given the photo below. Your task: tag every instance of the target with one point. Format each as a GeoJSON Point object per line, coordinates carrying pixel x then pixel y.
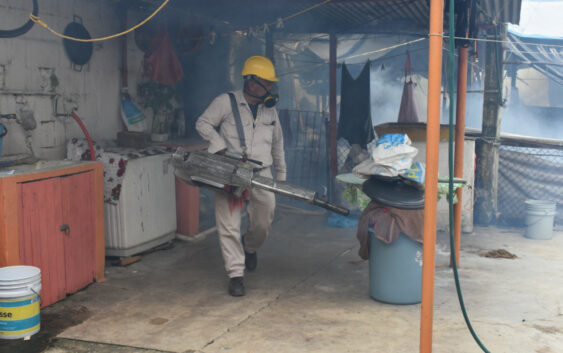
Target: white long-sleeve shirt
{"type": "Point", "coordinates": [263, 136]}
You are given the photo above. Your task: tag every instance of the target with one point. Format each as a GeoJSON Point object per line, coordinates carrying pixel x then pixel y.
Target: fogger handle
{"type": "Point", "coordinates": [331, 207]}
{"type": "Point", "coordinates": [296, 192]}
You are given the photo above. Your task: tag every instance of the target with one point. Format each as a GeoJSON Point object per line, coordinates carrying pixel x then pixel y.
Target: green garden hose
{"type": "Point", "coordinates": [451, 174]}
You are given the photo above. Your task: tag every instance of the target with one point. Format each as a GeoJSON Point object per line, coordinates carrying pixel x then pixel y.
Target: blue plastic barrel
{"type": "Point", "coordinates": [395, 270]}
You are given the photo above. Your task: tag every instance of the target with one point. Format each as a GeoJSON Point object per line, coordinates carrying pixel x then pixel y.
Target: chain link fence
{"type": "Point", "coordinates": [528, 173]}
{"type": "Point", "coordinates": [306, 152]}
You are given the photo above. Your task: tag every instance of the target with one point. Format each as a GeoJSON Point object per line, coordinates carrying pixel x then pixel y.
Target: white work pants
{"type": "Point", "coordinates": [260, 207]}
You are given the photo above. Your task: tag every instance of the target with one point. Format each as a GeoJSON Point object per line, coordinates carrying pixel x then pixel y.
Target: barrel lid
{"type": "Point", "coordinates": [13, 273]}
{"type": "Point", "coordinates": [394, 193]}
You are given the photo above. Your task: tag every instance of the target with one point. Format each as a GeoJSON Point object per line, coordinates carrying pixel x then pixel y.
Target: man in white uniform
{"type": "Point", "coordinates": [263, 141]}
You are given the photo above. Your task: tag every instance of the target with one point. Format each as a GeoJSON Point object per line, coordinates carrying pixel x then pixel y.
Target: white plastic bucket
{"type": "Point", "coordinates": [19, 301]}
{"type": "Point", "coordinates": [539, 219]}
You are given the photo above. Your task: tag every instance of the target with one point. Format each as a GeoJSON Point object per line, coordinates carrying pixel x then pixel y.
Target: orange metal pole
{"type": "Point", "coordinates": [431, 184]}
{"type": "Point", "coordinates": [459, 143]}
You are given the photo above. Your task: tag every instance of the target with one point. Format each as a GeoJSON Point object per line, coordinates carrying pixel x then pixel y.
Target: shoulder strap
{"type": "Point", "coordinates": [238, 122]}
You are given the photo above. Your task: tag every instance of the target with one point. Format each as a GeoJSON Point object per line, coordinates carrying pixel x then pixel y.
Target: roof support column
{"type": "Point", "coordinates": [487, 147]}
{"type": "Point", "coordinates": [332, 111]}
{"type": "Point", "coordinates": [459, 141]}
{"type": "Point", "coordinates": [431, 183]}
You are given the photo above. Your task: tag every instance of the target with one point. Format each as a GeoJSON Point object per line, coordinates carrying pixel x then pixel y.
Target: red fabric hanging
{"type": "Point", "coordinates": [407, 111]}
{"type": "Point", "coordinates": [163, 65]}
{"type": "Point", "coordinates": [236, 203]}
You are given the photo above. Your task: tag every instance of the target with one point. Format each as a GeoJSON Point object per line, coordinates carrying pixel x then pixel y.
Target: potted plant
{"type": "Point", "coordinates": [159, 98]}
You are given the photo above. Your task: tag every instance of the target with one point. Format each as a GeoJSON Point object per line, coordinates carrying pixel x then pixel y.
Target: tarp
{"type": "Point", "coordinates": [407, 110]}
{"type": "Point", "coordinates": [528, 174]}
{"type": "Point", "coordinates": [544, 54]}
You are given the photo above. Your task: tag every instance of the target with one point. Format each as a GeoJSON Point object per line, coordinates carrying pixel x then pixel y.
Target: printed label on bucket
{"type": "Point", "coordinates": [19, 316]}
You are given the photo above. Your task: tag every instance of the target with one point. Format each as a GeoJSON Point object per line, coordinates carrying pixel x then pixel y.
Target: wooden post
{"type": "Point", "coordinates": [486, 178]}
{"type": "Point", "coordinates": [459, 142]}
{"type": "Point", "coordinates": [431, 183]}
{"type": "Point", "coordinates": [332, 111]}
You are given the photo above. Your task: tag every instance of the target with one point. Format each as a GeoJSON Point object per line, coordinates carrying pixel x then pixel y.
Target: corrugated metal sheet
{"type": "Point", "coordinates": [364, 14]}
{"type": "Point", "coordinates": [501, 11]}
{"type": "Point", "coordinates": [337, 15]}
{"type": "Point", "coordinates": [340, 14]}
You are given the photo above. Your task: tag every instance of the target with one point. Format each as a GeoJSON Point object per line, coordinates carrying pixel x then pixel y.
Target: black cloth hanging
{"type": "Point", "coordinates": [285, 121]}
{"type": "Point", "coordinates": [355, 108]}
{"type": "Point", "coordinates": [407, 111]}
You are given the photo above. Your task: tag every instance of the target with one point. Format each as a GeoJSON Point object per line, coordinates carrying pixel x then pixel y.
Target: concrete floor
{"type": "Point", "coordinates": [310, 294]}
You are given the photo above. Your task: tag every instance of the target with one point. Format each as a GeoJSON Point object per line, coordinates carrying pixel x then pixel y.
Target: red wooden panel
{"type": "Point", "coordinates": [41, 244]}
{"type": "Point", "coordinates": [187, 208]}
{"type": "Point", "coordinates": [78, 214]}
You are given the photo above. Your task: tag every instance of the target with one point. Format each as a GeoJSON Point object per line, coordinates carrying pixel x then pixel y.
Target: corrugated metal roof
{"type": "Point", "coordinates": [339, 15]}
{"type": "Point", "coordinates": [343, 15]}
{"type": "Point", "coordinates": [501, 11]}
{"type": "Point", "coordinates": [366, 14]}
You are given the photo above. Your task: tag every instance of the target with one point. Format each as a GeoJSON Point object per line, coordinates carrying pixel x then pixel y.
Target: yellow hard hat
{"type": "Point", "coordinates": [260, 66]}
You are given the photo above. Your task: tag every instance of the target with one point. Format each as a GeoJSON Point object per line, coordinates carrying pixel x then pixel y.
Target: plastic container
{"type": "Point", "coordinates": [3, 132]}
{"type": "Point", "coordinates": [539, 219]}
{"type": "Point", "coordinates": [20, 287]}
{"type": "Point", "coordinates": [395, 270]}
{"type": "Point", "coordinates": [394, 192]}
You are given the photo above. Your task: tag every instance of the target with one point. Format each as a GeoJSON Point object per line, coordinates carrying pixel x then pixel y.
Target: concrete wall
{"type": "Point", "coordinates": [29, 63]}
{"type": "Point", "coordinates": [442, 211]}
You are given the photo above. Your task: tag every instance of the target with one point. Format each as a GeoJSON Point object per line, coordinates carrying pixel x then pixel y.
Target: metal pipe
{"type": "Point", "coordinates": [431, 183]}
{"type": "Point", "coordinates": [459, 142]}
{"type": "Point", "coordinates": [332, 111]}
{"type": "Point", "coordinates": [86, 134]}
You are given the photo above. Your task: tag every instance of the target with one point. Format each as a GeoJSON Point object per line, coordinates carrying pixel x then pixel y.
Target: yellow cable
{"type": "Point", "coordinates": [36, 19]}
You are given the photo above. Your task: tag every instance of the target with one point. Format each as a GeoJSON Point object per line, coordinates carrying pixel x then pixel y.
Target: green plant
{"type": "Point", "coordinates": [159, 98]}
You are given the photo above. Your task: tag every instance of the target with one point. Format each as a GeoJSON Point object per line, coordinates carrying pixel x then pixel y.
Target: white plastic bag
{"type": "Point", "coordinates": [391, 156]}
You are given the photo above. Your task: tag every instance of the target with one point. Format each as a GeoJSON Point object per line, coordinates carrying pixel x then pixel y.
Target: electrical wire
{"type": "Point", "coordinates": [407, 43]}
{"type": "Point", "coordinates": [451, 178]}
{"type": "Point", "coordinates": [325, 62]}
{"type": "Point", "coordinates": [384, 49]}
{"type": "Point", "coordinates": [38, 20]}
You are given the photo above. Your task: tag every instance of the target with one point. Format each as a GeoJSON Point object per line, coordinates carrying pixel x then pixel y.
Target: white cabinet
{"type": "Point", "coordinates": [144, 216]}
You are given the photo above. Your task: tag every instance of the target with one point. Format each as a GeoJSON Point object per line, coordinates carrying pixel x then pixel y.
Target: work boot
{"type": "Point", "coordinates": [250, 261]}
{"type": "Point", "coordinates": [236, 287]}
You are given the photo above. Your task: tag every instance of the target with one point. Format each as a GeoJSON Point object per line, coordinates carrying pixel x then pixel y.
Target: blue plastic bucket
{"type": "Point", "coordinates": [395, 270]}
{"type": "Point", "coordinates": [539, 219]}
{"type": "Point", "coordinates": [19, 301]}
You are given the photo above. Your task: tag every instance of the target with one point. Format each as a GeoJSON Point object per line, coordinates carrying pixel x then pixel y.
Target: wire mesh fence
{"type": "Point", "coordinates": [306, 152]}
{"type": "Point", "coordinates": [528, 173]}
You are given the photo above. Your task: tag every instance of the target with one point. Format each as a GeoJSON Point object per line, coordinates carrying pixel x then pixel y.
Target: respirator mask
{"type": "Point", "coordinates": [270, 98]}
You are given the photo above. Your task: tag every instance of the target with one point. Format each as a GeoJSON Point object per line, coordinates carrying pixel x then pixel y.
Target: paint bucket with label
{"type": "Point", "coordinates": [19, 301]}
{"type": "Point", "coordinates": [539, 219]}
